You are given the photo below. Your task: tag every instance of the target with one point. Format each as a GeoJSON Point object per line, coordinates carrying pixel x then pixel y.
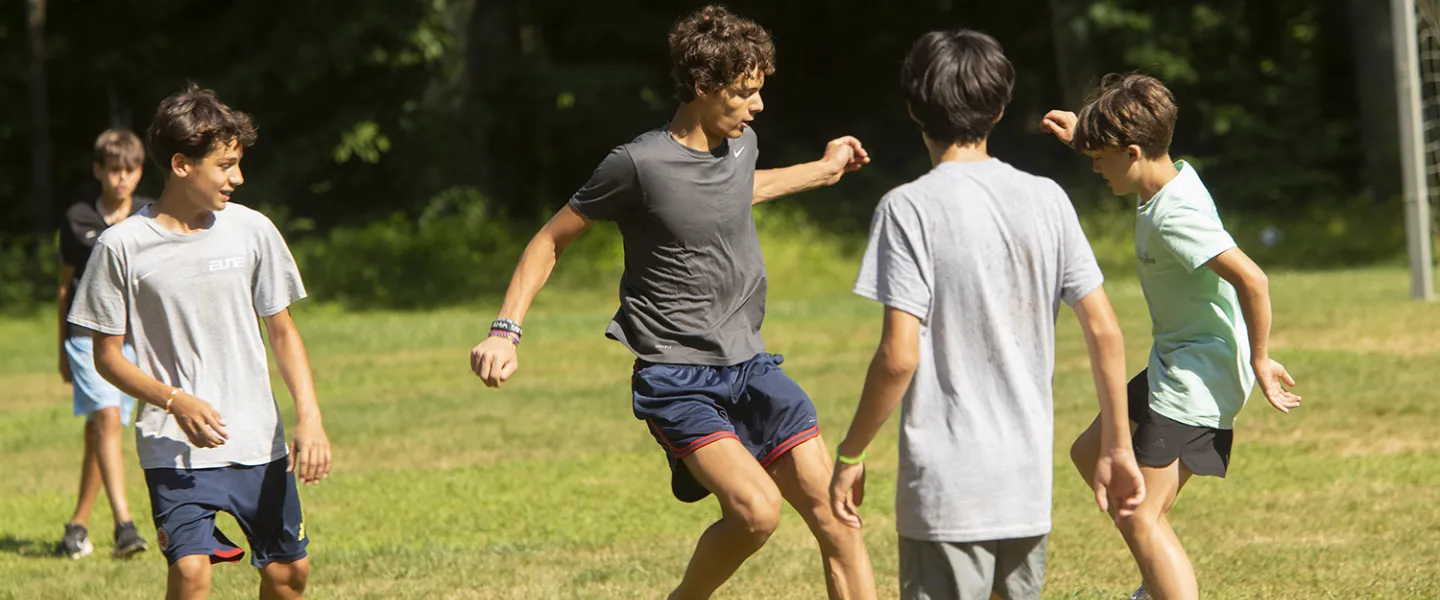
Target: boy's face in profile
{"type": "Point", "coordinates": [729, 110]}
{"type": "Point", "coordinates": [117, 180]}
{"type": "Point", "coordinates": [1118, 167]}
{"type": "Point", "coordinates": [210, 182]}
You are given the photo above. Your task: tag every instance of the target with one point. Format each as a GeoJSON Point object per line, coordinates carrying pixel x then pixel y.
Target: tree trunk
{"type": "Point", "coordinates": [1072, 64]}
{"type": "Point", "coordinates": [40, 123]}
{"type": "Point", "coordinates": [1375, 86]}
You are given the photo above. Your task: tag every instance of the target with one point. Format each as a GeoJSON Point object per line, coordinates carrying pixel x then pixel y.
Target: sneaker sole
{"type": "Point", "coordinates": [131, 550]}
{"type": "Point", "coordinates": [85, 550]}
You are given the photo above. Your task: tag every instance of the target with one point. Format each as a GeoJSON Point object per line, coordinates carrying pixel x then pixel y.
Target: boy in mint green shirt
{"type": "Point", "coordinates": [1210, 310]}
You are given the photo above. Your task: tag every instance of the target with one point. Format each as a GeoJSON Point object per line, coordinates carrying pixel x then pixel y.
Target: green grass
{"type": "Point", "coordinates": [549, 488]}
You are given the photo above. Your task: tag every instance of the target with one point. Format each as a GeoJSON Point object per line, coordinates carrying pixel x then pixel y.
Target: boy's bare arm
{"type": "Point", "coordinates": [67, 280]}
{"type": "Point", "coordinates": [310, 450]}
{"type": "Point", "coordinates": [1117, 478]}
{"type": "Point", "coordinates": [842, 155]}
{"type": "Point", "coordinates": [495, 359]}
{"type": "Point", "coordinates": [896, 359]}
{"type": "Point", "coordinates": [204, 427]}
{"type": "Point", "coordinates": [1253, 288]}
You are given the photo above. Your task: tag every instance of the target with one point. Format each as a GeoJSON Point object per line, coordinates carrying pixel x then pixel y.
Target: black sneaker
{"type": "Point", "coordinates": [76, 543]}
{"type": "Point", "coordinates": [128, 541]}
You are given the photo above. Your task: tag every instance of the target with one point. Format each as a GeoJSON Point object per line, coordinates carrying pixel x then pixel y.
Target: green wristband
{"type": "Point", "coordinates": [850, 461]}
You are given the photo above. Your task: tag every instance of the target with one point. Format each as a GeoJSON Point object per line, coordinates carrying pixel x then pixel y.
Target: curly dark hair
{"type": "Point", "coordinates": [194, 122]}
{"type": "Point", "coordinates": [713, 47]}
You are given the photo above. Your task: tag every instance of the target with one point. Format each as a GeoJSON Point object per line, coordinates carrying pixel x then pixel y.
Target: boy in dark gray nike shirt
{"type": "Point", "coordinates": [692, 300]}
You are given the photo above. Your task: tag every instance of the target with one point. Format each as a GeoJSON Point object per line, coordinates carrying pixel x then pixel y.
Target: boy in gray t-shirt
{"type": "Point", "coordinates": [972, 261]}
{"type": "Point", "coordinates": [183, 281]}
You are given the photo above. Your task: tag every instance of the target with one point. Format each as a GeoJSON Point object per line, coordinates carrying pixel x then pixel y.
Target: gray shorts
{"type": "Point", "coordinates": [1011, 569]}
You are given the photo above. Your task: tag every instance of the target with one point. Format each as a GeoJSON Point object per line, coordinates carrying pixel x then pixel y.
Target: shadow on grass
{"type": "Point", "coordinates": [10, 544]}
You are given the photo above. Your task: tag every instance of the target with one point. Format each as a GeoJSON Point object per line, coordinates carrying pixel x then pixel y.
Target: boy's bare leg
{"type": "Point", "coordinates": [749, 508]}
{"type": "Point", "coordinates": [108, 432]}
{"type": "Point", "coordinates": [1157, 550]}
{"type": "Point", "coordinates": [189, 578]}
{"type": "Point", "coordinates": [89, 477]}
{"type": "Point", "coordinates": [284, 580]}
{"type": "Point", "coordinates": [803, 476]}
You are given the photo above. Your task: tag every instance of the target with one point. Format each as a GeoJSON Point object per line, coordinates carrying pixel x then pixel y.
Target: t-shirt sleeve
{"type": "Point", "coordinates": [1193, 235]}
{"type": "Point", "coordinates": [1079, 272]}
{"type": "Point", "coordinates": [101, 302]}
{"type": "Point", "coordinates": [613, 188]}
{"type": "Point", "coordinates": [72, 252]}
{"type": "Point", "coordinates": [276, 283]}
{"type": "Point", "coordinates": [896, 268]}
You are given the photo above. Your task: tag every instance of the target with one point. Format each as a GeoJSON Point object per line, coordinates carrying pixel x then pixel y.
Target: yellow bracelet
{"type": "Point", "coordinates": [850, 461]}
{"type": "Point", "coordinates": [168, 401]}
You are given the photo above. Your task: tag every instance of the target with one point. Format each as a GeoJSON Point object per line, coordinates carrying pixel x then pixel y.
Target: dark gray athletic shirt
{"type": "Point", "coordinates": [694, 286]}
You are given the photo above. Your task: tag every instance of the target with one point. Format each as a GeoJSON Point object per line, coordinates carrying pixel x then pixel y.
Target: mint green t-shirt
{"type": "Point", "coordinates": [1200, 363]}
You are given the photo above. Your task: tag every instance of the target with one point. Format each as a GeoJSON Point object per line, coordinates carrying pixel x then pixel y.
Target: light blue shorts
{"type": "Point", "coordinates": [92, 392]}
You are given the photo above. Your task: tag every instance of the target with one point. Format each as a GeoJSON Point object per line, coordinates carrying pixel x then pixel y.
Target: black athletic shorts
{"type": "Point", "coordinates": [1160, 440]}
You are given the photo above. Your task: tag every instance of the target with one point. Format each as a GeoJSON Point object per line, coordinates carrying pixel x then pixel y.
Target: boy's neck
{"type": "Point", "coordinates": [685, 127]}
{"type": "Point", "coordinates": [175, 214]}
{"type": "Point", "coordinates": [952, 153]}
{"type": "Point", "coordinates": [115, 204]}
{"type": "Point", "coordinates": [1155, 175]}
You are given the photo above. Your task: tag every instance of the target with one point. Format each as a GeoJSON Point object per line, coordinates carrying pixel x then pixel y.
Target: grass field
{"type": "Point", "coordinates": [550, 489]}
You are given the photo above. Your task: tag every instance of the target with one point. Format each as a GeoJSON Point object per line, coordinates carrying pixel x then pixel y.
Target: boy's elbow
{"type": "Point", "coordinates": [899, 364]}
{"type": "Point", "coordinates": [1259, 281]}
{"type": "Point", "coordinates": [1252, 282]}
{"type": "Point", "coordinates": [103, 364]}
{"type": "Point", "coordinates": [1109, 333]}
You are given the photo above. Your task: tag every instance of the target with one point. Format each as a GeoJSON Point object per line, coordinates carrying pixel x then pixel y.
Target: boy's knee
{"type": "Point", "coordinates": [192, 572]}
{"type": "Point", "coordinates": [759, 513]}
{"type": "Point", "coordinates": [106, 420]}
{"type": "Point", "coordinates": [291, 575]}
{"type": "Point", "coordinates": [1077, 452]}
{"type": "Point", "coordinates": [1138, 525]}
{"type": "Point", "coordinates": [1084, 453]}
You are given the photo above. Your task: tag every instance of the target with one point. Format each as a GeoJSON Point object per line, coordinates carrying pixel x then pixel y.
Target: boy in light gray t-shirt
{"type": "Point", "coordinates": [972, 261]}
{"type": "Point", "coordinates": [184, 281]}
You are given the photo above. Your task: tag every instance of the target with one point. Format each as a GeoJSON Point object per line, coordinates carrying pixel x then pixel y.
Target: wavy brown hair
{"type": "Point", "coordinates": [712, 47]}
{"type": "Point", "coordinates": [194, 122]}
{"type": "Point", "coordinates": [1127, 110]}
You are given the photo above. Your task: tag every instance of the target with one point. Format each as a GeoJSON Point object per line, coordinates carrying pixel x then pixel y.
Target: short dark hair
{"type": "Point", "coordinates": [713, 47]}
{"type": "Point", "coordinates": [957, 84]}
{"type": "Point", "coordinates": [194, 122]}
{"type": "Point", "coordinates": [121, 147]}
{"type": "Point", "coordinates": [1127, 110]}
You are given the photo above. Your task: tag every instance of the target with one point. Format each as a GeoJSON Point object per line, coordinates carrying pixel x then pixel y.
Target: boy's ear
{"type": "Point", "coordinates": [1134, 152]}
{"type": "Point", "coordinates": [180, 165]}
{"type": "Point", "coordinates": [99, 170]}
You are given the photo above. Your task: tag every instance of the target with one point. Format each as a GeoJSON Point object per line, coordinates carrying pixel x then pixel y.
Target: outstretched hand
{"type": "Point", "coordinates": [1061, 124]}
{"type": "Point", "coordinates": [846, 153]}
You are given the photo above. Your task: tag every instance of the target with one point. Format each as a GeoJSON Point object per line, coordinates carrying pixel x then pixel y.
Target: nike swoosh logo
{"type": "Point", "coordinates": [738, 152]}
{"type": "Point", "coordinates": [137, 279]}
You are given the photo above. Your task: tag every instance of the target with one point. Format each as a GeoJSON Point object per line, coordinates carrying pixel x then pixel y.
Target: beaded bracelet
{"type": "Point", "coordinates": [509, 335]}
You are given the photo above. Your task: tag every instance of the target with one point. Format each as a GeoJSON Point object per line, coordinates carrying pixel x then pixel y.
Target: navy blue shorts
{"type": "Point", "coordinates": [262, 498]}
{"type": "Point", "coordinates": [689, 406]}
